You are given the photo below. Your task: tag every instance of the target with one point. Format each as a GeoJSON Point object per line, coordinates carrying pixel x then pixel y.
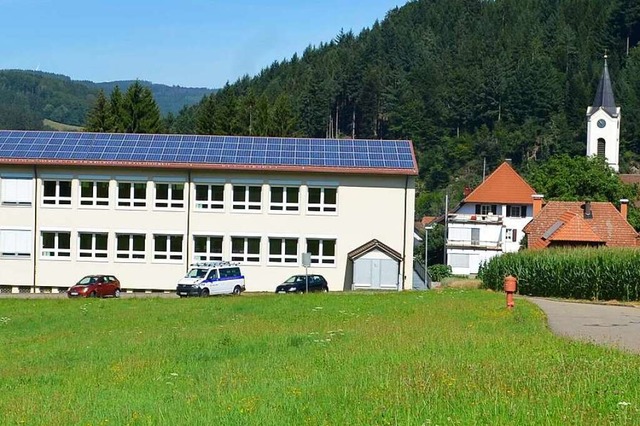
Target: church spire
{"type": "Point", "coordinates": [604, 95]}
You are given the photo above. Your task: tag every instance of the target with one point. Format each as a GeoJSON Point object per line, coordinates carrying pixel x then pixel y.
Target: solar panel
{"type": "Point", "coordinates": [207, 150]}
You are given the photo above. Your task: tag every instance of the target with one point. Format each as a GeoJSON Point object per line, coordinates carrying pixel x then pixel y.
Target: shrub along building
{"type": "Point", "coordinates": [143, 207]}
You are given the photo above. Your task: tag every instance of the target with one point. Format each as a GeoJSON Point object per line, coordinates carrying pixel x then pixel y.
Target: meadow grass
{"type": "Point", "coordinates": [449, 357]}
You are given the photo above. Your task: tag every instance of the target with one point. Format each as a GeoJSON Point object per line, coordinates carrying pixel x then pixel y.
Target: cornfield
{"type": "Point", "coordinates": [577, 273]}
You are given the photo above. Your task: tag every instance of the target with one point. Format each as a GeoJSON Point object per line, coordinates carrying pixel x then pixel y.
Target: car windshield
{"type": "Point", "coordinates": [197, 273]}
{"type": "Point", "coordinates": [295, 279]}
{"type": "Point", "coordinates": [87, 281]}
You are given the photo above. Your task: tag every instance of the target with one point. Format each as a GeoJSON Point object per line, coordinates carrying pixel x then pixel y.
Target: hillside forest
{"type": "Point", "coordinates": [470, 82]}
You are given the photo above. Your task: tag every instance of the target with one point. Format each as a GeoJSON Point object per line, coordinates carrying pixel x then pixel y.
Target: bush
{"type": "Point", "coordinates": [579, 273]}
{"type": "Point", "coordinates": [439, 272]}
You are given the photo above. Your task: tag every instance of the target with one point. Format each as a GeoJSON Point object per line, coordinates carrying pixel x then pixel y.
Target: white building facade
{"type": "Point", "coordinates": [146, 222]}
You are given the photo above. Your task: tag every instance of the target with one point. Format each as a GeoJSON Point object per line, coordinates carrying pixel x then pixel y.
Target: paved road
{"type": "Point", "coordinates": [602, 324]}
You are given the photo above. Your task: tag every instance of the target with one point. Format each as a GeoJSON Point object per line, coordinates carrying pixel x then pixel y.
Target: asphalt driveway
{"type": "Point", "coordinates": [617, 326]}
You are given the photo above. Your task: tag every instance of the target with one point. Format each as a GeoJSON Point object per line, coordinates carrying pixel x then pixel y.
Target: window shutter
{"type": "Point", "coordinates": [494, 209]}
{"type": "Point", "coordinates": [523, 211]}
{"type": "Point", "coordinates": [514, 235]}
{"type": "Point", "coordinates": [477, 208]}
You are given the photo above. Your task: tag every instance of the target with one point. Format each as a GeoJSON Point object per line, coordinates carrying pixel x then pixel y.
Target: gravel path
{"type": "Point", "coordinates": [617, 326]}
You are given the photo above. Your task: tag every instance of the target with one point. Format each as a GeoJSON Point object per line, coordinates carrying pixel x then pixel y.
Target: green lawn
{"type": "Point", "coordinates": [430, 358]}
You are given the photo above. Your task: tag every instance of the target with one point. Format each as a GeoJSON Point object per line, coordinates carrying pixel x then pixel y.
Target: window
{"type": "Point", "coordinates": [459, 260]}
{"type": "Point", "coordinates": [15, 243]}
{"type": "Point", "coordinates": [167, 247]}
{"type": "Point", "coordinates": [486, 209]}
{"type": "Point", "coordinates": [517, 211]}
{"type": "Point", "coordinates": [602, 148]}
{"type": "Point", "coordinates": [56, 244]}
{"type": "Point", "coordinates": [16, 191]}
{"type": "Point", "coordinates": [475, 236]}
{"type": "Point", "coordinates": [92, 245]}
{"type": "Point", "coordinates": [323, 252]}
{"type": "Point", "coordinates": [511, 235]}
{"type": "Point", "coordinates": [210, 197]}
{"type": "Point", "coordinates": [283, 250]}
{"type": "Point", "coordinates": [56, 192]}
{"type": "Point", "coordinates": [245, 249]}
{"type": "Point", "coordinates": [247, 197]}
{"type": "Point", "coordinates": [284, 198]}
{"type": "Point", "coordinates": [323, 200]}
{"type": "Point", "coordinates": [170, 195]}
{"type": "Point", "coordinates": [94, 193]}
{"type": "Point", "coordinates": [130, 246]}
{"type": "Point", "coordinates": [132, 194]}
{"type": "Point", "coordinates": [207, 248]}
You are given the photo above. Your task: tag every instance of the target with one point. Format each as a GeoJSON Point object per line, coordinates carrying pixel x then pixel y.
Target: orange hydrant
{"type": "Point", "coordinates": [510, 283]}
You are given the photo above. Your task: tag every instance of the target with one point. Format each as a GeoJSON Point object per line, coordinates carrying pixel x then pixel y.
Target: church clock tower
{"type": "Point", "coordinates": [603, 123]}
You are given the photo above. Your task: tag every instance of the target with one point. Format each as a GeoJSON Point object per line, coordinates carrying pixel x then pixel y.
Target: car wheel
{"type": "Point", "coordinates": [237, 290]}
{"type": "Point", "coordinates": [93, 294]}
{"type": "Point", "coordinates": [116, 293]}
{"type": "Point", "coordinates": [204, 293]}
{"type": "Point", "coordinates": [325, 289]}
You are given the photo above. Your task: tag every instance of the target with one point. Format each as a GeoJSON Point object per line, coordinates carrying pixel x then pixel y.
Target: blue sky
{"type": "Point", "coordinates": [192, 43]}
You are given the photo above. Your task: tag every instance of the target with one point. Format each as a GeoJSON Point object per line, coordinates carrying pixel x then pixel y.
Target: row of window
{"type": "Point", "coordinates": [512, 211]}
{"type": "Point", "coordinates": [15, 191]}
{"type": "Point", "coordinates": [132, 246]}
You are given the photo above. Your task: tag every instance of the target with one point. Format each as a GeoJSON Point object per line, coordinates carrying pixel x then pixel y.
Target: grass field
{"type": "Point", "coordinates": [61, 127]}
{"type": "Point", "coordinates": [450, 357]}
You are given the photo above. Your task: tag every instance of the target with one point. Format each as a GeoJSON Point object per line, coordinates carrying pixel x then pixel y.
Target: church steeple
{"type": "Point", "coordinates": [604, 95]}
{"type": "Point", "coordinates": [603, 123]}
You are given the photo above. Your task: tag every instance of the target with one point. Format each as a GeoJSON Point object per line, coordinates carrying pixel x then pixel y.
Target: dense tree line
{"type": "Point", "coordinates": [471, 82]}
{"type": "Point", "coordinates": [135, 111]}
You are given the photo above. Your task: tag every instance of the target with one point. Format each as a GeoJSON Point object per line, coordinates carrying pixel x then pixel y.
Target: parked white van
{"type": "Point", "coordinates": [207, 278]}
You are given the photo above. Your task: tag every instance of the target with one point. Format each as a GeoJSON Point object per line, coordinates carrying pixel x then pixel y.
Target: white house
{"type": "Point", "coordinates": [489, 221]}
{"type": "Point", "coordinates": [143, 207]}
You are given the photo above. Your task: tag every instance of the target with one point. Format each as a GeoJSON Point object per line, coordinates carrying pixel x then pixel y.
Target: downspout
{"type": "Point", "coordinates": [404, 235]}
{"type": "Point", "coordinates": [188, 242]}
{"type": "Point", "coordinates": [35, 226]}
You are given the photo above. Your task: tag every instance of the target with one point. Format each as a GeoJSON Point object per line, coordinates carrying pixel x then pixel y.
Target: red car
{"type": "Point", "coordinates": [95, 286]}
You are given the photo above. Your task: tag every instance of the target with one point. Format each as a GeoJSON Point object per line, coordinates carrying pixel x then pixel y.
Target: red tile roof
{"type": "Point", "coordinates": [567, 217]}
{"type": "Point", "coordinates": [503, 186]}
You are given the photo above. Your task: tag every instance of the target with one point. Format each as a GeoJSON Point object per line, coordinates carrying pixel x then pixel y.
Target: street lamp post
{"type": "Point", "coordinates": [426, 255]}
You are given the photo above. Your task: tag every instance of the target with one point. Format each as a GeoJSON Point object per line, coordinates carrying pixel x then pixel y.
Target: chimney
{"type": "Point", "coordinates": [537, 203]}
{"type": "Point", "coordinates": [588, 214]}
{"type": "Point", "coordinates": [467, 191]}
{"type": "Point", "coordinates": [624, 207]}
{"type": "Point", "coordinates": [508, 161]}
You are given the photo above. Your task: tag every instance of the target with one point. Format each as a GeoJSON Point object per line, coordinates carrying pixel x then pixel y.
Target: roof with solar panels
{"type": "Point", "coordinates": [198, 152]}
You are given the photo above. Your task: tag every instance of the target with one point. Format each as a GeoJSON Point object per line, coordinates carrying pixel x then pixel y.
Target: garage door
{"type": "Point", "coordinates": [375, 273]}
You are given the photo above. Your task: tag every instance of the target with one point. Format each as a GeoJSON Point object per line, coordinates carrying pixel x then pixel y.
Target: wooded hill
{"type": "Point", "coordinates": [468, 81]}
{"type": "Point", "coordinates": [29, 97]}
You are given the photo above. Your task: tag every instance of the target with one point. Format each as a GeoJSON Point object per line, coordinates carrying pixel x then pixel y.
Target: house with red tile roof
{"type": "Point", "coordinates": [489, 220]}
{"type": "Point", "coordinates": [576, 223]}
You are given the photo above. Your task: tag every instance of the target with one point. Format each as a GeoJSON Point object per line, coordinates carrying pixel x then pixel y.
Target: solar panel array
{"type": "Point", "coordinates": [201, 150]}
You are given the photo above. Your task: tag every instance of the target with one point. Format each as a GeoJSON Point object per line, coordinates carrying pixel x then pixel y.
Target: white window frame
{"type": "Point", "coordinates": [16, 243]}
{"type": "Point", "coordinates": [16, 191]}
{"type": "Point", "coordinates": [167, 252]}
{"type": "Point", "coordinates": [209, 203]}
{"type": "Point", "coordinates": [55, 252]}
{"type": "Point", "coordinates": [283, 256]}
{"type": "Point", "coordinates": [209, 254]}
{"type": "Point", "coordinates": [322, 207]}
{"type": "Point", "coordinates": [57, 199]}
{"type": "Point", "coordinates": [94, 200]}
{"type": "Point", "coordinates": [284, 206]}
{"type": "Point", "coordinates": [246, 204]}
{"type": "Point", "coordinates": [246, 255]}
{"type": "Point", "coordinates": [130, 254]}
{"type": "Point", "coordinates": [93, 253]}
{"type": "Point", "coordinates": [320, 258]}
{"type": "Point", "coordinates": [171, 202]}
{"type": "Point", "coordinates": [131, 202]}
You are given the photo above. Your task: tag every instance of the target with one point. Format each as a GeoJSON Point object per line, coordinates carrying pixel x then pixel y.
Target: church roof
{"type": "Point", "coordinates": [604, 95]}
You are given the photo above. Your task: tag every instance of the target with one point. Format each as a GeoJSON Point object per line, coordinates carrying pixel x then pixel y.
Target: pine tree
{"type": "Point", "coordinates": [99, 117]}
{"type": "Point", "coordinates": [141, 113]}
{"type": "Point", "coordinates": [116, 111]}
